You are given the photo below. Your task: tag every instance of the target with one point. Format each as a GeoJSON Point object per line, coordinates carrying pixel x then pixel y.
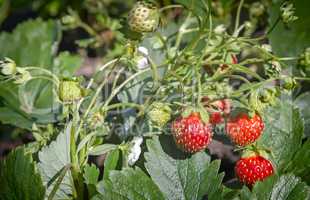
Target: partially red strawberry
{"type": "Point", "coordinates": [244, 130]}
{"type": "Point", "coordinates": [217, 109]}
{"type": "Point", "coordinates": [191, 134]}
{"type": "Point", "coordinates": [251, 169]}
{"type": "Point", "coordinates": [233, 59]}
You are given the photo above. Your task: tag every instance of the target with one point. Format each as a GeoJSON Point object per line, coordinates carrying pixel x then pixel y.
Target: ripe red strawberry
{"type": "Point", "coordinates": [244, 130]}
{"type": "Point", "coordinates": [249, 170]}
{"type": "Point", "coordinates": [191, 134]}
{"type": "Point", "coordinates": [223, 109]}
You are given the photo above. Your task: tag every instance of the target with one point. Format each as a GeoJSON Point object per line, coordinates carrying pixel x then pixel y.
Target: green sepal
{"type": "Point", "coordinates": [188, 111]}
{"type": "Point", "coordinates": [203, 113]}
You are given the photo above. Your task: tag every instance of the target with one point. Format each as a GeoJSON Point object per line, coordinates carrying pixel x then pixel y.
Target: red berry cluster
{"type": "Point", "coordinates": [191, 134]}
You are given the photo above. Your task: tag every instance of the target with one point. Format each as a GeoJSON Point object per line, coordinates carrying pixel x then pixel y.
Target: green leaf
{"type": "Point", "coordinates": [287, 187]}
{"type": "Point", "coordinates": [8, 116]}
{"type": "Point", "coordinates": [190, 178]}
{"type": "Point", "coordinates": [296, 35]}
{"type": "Point", "coordinates": [303, 103]}
{"type": "Point", "coordinates": [283, 132]}
{"type": "Point", "coordinates": [300, 164]}
{"type": "Point", "coordinates": [91, 174]}
{"type": "Point", "coordinates": [53, 158]}
{"type": "Point", "coordinates": [66, 64]}
{"type": "Point", "coordinates": [102, 149]}
{"type": "Point", "coordinates": [110, 162]}
{"type": "Point", "coordinates": [130, 184]}
{"type": "Point", "coordinates": [198, 7]}
{"type": "Point", "coordinates": [32, 43]}
{"type": "Point", "coordinates": [262, 190]}
{"type": "Point", "coordinates": [19, 178]}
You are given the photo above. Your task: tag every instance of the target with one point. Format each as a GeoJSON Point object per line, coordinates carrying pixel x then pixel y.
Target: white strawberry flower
{"type": "Point", "coordinates": [220, 29]}
{"type": "Point", "coordinates": [141, 59]}
{"type": "Point", "coordinates": [135, 151]}
{"type": "Point", "coordinates": [266, 47]}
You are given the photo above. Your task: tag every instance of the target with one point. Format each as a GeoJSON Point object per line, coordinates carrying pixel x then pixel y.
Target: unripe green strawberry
{"type": "Point", "coordinates": [70, 91]}
{"type": "Point", "coordinates": [143, 17]}
{"type": "Point", "coordinates": [244, 130]}
{"type": "Point", "coordinates": [159, 113]}
{"type": "Point", "coordinates": [251, 169]}
{"type": "Point", "coordinates": [191, 134]}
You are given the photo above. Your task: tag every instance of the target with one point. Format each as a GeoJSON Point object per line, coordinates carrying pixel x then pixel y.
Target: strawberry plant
{"type": "Point", "coordinates": [191, 100]}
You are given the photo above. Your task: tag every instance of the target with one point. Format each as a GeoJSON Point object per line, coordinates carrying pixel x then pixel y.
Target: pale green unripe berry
{"type": "Point", "coordinates": [159, 113]}
{"type": "Point", "coordinates": [143, 17]}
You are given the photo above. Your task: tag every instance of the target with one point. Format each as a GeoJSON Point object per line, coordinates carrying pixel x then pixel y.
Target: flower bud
{"type": "Point", "coordinates": [141, 59]}
{"type": "Point", "coordinates": [289, 83]}
{"type": "Point", "coordinates": [267, 47]}
{"type": "Point", "coordinates": [22, 76]}
{"type": "Point", "coordinates": [96, 121]}
{"type": "Point", "coordinates": [257, 9]}
{"type": "Point", "coordinates": [304, 61]}
{"type": "Point", "coordinates": [68, 20]}
{"type": "Point", "coordinates": [287, 12]}
{"type": "Point", "coordinates": [220, 29]}
{"type": "Point", "coordinates": [273, 69]}
{"type": "Point", "coordinates": [7, 67]}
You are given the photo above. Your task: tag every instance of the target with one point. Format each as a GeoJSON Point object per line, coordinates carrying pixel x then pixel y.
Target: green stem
{"type": "Point", "coordinates": [61, 176]}
{"type": "Point", "coordinates": [302, 78]}
{"type": "Point", "coordinates": [4, 10]}
{"type": "Point", "coordinates": [163, 41]}
{"type": "Point", "coordinates": [45, 78]}
{"type": "Point", "coordinates": [116, 78]}
{"type": "Point", "coordinates": [45, 71]}
{"type": "Point", "coordinates": [114, 62]}
{"type": "Point", "coordinates": [114, 92]}
{"type": "Point", "coordinates": [75, 170]}
{"type": "Point", "coordinates": [117, 105]}
{"type": "Point", "coordinates": [274, 25]}
{"type": "Point", "coordinates": [238, 77]}
{"type": "Point", "coordinates": [155, 73]}
{"type": "Point", "coordinates": [238, 17]}
{"type": "Point", "coordinates": [181, 31]}
{"type": "Point", "coordinates": [170, 7]}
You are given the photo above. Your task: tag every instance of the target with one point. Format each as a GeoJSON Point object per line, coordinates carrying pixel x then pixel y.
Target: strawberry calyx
{"type": "Point", "coordinates": [255, 150]}
{"type": "Point", "coordinates": [196, 111]}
